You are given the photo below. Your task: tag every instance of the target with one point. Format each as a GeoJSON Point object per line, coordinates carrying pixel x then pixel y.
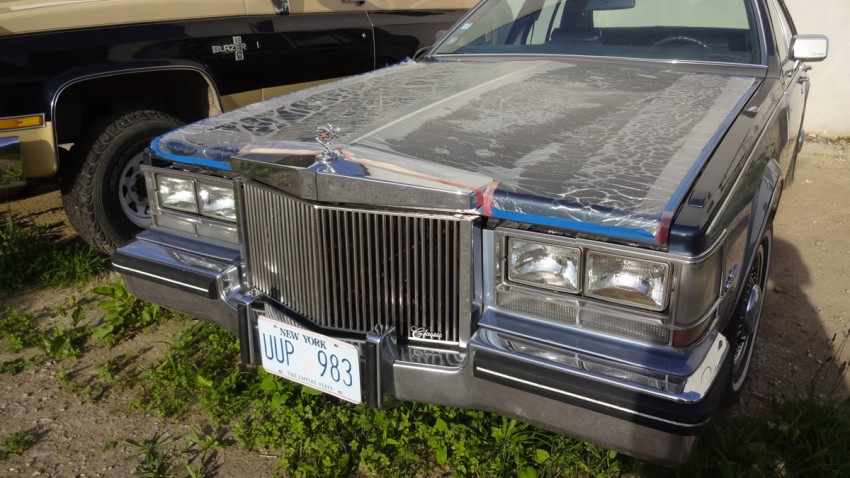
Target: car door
{"type": "Point", "coordinates": [793, 78]}
{"type": "Point", "coordinates": [298, 44]}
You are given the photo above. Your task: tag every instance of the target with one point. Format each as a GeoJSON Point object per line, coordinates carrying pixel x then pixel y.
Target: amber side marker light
{"type": "Point", "coordinates": [21, 122]}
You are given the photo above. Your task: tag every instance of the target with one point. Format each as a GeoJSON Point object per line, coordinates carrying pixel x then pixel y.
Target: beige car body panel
{"type": "Point", "coordinates": [27, 16]}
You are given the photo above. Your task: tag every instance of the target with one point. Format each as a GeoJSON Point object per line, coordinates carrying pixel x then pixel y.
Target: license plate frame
{"type": "Point", "coordinates": [311, 359]}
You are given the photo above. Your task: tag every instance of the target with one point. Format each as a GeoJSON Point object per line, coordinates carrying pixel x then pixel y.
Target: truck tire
{"type": "Point", "coordinates": [103, 190]}
{"type": "Point", "coordinates": [742, 330]}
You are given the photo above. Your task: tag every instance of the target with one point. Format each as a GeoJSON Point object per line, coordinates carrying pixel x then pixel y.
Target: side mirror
{"type": "Point", "coordinates": [809, 47]}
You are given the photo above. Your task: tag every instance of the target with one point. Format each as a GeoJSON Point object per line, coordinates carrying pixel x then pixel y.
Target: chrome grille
{"type": "Point", "coordinates": [350, 270]}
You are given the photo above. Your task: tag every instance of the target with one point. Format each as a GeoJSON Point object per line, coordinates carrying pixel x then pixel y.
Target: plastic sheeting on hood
{"type": "Point", "coordinates": [597, 148]}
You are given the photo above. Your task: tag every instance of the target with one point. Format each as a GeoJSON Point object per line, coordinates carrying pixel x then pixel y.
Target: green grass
{"type": "Point", "coordinates": [124, 314]}
{"type": "Point", "coordinates": [317, 435]}
{"type": "Point", "coordinates": [10, 174]}
{"type": "Point", "coordinates": [16, 443]}
{"type": "Point", "coordinates": [30, 255]}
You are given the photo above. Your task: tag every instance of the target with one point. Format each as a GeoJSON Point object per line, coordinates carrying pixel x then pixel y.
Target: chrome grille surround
{"type": "Point", "coordinates": [350, 269]}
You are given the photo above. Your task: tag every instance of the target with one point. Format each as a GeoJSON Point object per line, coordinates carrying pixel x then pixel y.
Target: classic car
{"type": "Point", "coordinates": [562, 213]}
{"type": "Point", "coordinates": [109, 76]}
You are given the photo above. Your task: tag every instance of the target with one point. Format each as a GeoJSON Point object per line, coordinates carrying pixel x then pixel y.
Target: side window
{"type": "Point", "coordinates": [780, 31]}
{"type": "Point", "coordinates": [535, 22]}
{"type": "Point", "coordinates": [549, 17]}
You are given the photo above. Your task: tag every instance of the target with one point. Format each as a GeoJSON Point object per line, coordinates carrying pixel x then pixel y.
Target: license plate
{"type": "Point", "coordinates": [311, 359]}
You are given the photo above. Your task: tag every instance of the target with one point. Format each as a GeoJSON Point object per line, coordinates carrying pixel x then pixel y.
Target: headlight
{"type": "Point", "coordinates": [201, 196]}
{"type": "Point", "coordinates": [217, 201]}
{"type": "Point", "coordinates": [544, 265]}
{"type": "Point", "coordinates": [626, 280]}
{"type": "Point", "coordinates": [176, 193]}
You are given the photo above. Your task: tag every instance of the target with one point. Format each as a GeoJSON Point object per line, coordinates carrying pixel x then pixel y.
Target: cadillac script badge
{"type": "Point", "coordinates": [326, 136]}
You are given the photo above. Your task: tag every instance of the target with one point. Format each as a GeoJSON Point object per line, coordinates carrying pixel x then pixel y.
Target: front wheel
{"type": "Point", "coordinates": [103, 189]}
{"type": "Point", "coordinates": [742, 329]}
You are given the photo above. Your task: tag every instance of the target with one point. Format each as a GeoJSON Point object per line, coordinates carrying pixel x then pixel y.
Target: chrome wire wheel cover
{"type": "Point", "coordinates": [748, 315]}
{"type": "Point", "coordinates": [133, 195]}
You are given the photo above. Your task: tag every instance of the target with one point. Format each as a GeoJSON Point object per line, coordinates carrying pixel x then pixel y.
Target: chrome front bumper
{"type": "Point", "coordinates": [186, 275]}
{"type": "Point", "coordinates": [555, 389]}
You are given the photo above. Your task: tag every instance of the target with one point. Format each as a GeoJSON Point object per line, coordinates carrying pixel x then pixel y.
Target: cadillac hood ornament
{"type": "Point", "coordinates": [326, 136]}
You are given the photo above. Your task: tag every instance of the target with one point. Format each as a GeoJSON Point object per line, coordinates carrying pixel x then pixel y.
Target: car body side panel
{"type": "Point", "coordinates": [251, 56]}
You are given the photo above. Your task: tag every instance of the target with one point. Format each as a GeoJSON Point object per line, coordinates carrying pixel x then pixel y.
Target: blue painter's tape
{"type": "Point", "coordinates": [621, 232]}
{"type": "Point", "coordinates": [207, 163]}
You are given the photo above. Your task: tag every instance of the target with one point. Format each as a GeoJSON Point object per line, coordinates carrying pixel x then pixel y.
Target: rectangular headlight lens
{"type": "Point", "coordinates": [217, 201]}
{"type": "Point", "coordinates": [176, 193]}
{"type": "Point", "coordinates": [544, 265]}
{"type": "Point", "coordinates": [627, 281]}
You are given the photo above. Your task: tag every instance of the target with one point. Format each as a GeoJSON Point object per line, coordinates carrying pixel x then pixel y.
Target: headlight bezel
{"type": "Point", "coordinates": [198, 221]}
{"type": "Point", "coordinates": [685, 314]}
{"type": "Point", "coordinates": [197, 184]}
{"type": "Point", "coordinates": [507, 237]}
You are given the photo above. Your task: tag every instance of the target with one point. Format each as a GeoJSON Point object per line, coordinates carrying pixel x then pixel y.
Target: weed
{"type": "Point", "coordinates": [199, 367]}
{"type": "Point", "coordinates": [111, 369]}
{"type": "Point", "coordinates": [28, 255]}
{"type": "Point", "coordinates": [13, 367]}
{"type": "Point", "coordinates": [74, 265]}
{"type": "Point", "coordinates": [124, 314]}
{"type": "Point", "coordinates": [11, 174]}
{"type": "Point", "coordinates": [62, 342]}
{"type": "Point", "coordinates": [73, 306]}
{"type": "Point", "coordinates": [16, 443]}
{"type": "Point", "coordinates": [64, 376]}
{"type": "Point", "coordinates": [26, 252]}
{"type": "Point", "coordinates": [203, 449]}
{"type": "Point", "coordinates": [154, 463]}
{"type": "Point", "coordinates": [19, 328]}
{"type": "Point", "coordinates": [92, 392]}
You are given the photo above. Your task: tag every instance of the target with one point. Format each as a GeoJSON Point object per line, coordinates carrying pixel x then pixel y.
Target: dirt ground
{"type": "Point", "coordinates": [808, 303]}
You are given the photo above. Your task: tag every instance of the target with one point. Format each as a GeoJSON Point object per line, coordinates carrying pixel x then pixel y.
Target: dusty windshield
{"type": "Point", "coordinates": [697, 30]}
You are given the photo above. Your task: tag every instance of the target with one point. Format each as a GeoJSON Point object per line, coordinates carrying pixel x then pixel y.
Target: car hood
{"type": "Point", "coordinates": [604, 149]}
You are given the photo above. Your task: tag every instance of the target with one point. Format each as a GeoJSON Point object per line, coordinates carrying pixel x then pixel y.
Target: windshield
{"type": "Point", "coordinates": [700, 30]}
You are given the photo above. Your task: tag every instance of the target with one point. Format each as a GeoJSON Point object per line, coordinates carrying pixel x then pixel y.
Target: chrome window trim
{"type": "Point", "coordinates": [755, 67]}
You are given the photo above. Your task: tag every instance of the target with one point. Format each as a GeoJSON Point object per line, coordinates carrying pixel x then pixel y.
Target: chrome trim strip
{"type": "Point", "coordinates": [214, 98]}
{"type": "Point", "coordinates": [627, 251]}
{"type": "Point", "coordinates": [158, 277]}
{"type": "Point", "coordinates": [741, 177]}
{"type": "Point", "coordinates": [590, 400]}
{"type": "Point", "coordinates": [624, 59]}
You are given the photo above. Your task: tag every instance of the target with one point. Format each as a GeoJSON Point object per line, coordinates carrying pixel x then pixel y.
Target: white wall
{"type": "Point", "coordinates": [828, 110]}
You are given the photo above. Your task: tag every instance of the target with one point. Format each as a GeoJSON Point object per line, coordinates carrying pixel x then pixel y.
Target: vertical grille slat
{"type": "Point", "coordinates": [350, 270]}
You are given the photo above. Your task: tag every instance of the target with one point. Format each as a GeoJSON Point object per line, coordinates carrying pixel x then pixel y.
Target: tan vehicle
{"type": "Point", "coordinates": [86, 84]}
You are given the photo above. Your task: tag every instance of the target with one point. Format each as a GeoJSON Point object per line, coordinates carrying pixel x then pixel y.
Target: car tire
{"type": "Point", "coordinates": [742, 330]}
{"type": "Point", "coordinates": [103, 191]}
